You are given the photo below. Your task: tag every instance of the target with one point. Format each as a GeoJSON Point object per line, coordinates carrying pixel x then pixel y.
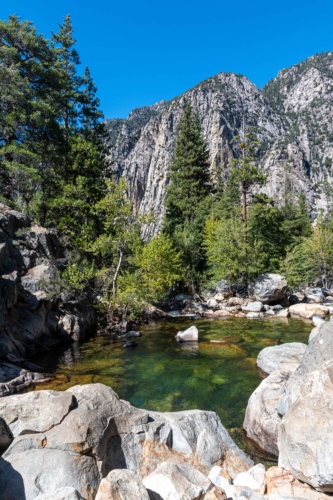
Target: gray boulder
{"type": "Point", "coordinates": [261, 420]}
{"type": "Point", "coordinates": [176, 482]}
{"type": "Point", "coordinates": [284, 357]}
{"type": "Point", "coordinates": [189, 335]}
{"type": "Point", "coordinates": [268, 288]}
{"type": "Point", "coordinates": [25, 475]}
{"type": "Point", "coordinates": [314, 295]}
{"type": "Point", "coordinates": [306, 432]}
{"type": "Point", "coordinates": [36, 276]}
{"type": "Point", "coordinates": [253, 307]}
{"type": "Point", "coordinates": [121, 484]}
{"type": "Point", "coordinates": [319, 350]}
{"type": "Point", "coordinates": [66, 493]}
{"type": "Point", "coordinates": [72, 438]}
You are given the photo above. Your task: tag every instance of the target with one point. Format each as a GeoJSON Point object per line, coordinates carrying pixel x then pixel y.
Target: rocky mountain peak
{"type": "Point", "coordinates": [292, 117]}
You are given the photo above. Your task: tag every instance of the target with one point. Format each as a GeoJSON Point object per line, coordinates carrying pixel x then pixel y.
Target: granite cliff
{"type": "Point", "coordinates": [292, 116]}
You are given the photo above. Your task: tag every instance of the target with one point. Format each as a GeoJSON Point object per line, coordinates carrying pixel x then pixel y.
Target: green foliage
{"type": "Point", "coordinates": [155, 268]}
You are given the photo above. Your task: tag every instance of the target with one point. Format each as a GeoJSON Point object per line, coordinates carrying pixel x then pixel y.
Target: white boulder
{"type": "Point", "coordinates": [171, 481]}
{"type": "Point", "coordinates": [189, 335]}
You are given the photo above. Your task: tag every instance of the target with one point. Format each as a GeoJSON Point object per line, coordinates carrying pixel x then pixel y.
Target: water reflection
{"type": "Point", "coordinates": [71, 355]}
{"type": "Point", "coordinates": [189, 349]}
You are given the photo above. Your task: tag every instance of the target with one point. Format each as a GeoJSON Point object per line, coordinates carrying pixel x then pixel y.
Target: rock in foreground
{"type": "Point", "coordinates": [261, 420]}
{"type": "Point", "coordinates": [75, 438]}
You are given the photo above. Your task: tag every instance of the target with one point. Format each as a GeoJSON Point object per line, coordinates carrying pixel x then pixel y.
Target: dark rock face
{"type": "Point", "coordinates": [29, 320]}
{"type": "Point", "coordinates": [292, 116]}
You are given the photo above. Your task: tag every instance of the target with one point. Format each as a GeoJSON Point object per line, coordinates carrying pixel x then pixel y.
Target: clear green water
{"type": "Point", "coordinates": [159, 374]}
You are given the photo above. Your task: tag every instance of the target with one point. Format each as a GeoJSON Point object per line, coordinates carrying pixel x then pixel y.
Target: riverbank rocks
{"type": "Point", "coordinates": [30, 320]}
{"type": "Point", "coordinates": [284, 357]}
{"type": "Point", "coordinates": [189, 335]}
{"type": "Point", "coordinates": [121, 484]}
{"type": "Point", "coordinates": [176, 482]}
{"type": "Point", "coordinates": [261, 420]}
{"type": "Point", "coordinates": [76, 437]}
{"type": "Point", "coordinates": [255, 315]}
{"type": "Point", "coordinates": [253, 307]}
{"type": "Point", "coordinates": [268, 288]}
{"type": "Point", "coordinates": [307, 311]}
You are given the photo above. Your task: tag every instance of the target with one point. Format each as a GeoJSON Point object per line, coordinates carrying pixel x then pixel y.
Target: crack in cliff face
{"type": "Point", "coordinates": [292, 116]}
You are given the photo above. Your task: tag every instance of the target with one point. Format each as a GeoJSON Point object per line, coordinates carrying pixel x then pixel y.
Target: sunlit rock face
{"type": "Point", "coordinates": [292, 116]}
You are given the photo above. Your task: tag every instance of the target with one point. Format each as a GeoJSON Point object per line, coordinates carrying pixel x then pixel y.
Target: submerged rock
{"type": "Point", "coordinates": [189, 335]}
{"type": "Point", "coordinates": [130, 343]}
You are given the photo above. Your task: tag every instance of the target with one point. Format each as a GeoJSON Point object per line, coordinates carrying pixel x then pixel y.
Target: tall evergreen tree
{"type": "Point", "coordinates": [187, 204]}
{"type": "Point", "coordinates": [245, 171]}
{"type": "Point", "coordinates": [30, 136]}
{"type": "Point", "coordinates": [189, 173]}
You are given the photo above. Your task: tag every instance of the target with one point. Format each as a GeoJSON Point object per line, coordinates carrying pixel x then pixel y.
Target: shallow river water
{"type": "Point", "coordinates": [160, 374]}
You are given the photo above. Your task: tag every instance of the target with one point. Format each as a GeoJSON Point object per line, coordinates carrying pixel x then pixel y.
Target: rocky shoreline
{"type": "Point", "coordinates": [30, 321]}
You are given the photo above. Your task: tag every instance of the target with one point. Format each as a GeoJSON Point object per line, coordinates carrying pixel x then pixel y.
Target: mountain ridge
{"type": "Point", "coordinates": [292, 116]}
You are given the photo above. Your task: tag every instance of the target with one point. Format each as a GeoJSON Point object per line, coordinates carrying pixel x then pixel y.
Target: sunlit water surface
{"type": "Point", "coordinates": [160, 374]}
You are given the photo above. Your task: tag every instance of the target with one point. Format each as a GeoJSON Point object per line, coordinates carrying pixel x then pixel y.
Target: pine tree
{"type": "Point", "coordinates": [30, 136]}
{"type": "Point", "coordinates": [247, 174]}
{"type": "Point", "coordinates": [189, 173]}
{"type": "Point", "coordinates": [187, 204]}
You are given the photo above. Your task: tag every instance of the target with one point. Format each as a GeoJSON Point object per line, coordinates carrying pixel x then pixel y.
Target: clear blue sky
{"type": "Point", "coordinates": [141, 51]}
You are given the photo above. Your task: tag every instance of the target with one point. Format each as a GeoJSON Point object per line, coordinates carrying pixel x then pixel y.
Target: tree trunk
{"type": "Point", "coordinates": [114, 281]}
{"type": "Point", "coordinates": [244, 218]}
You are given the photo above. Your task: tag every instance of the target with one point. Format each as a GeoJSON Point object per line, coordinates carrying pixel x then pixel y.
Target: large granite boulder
{"type": "Point", "coordinates": [268, 288]}
{"type": "Point", "coordinates": [308, 311]}
{"type": "Point", "coordinates": [121, 484]}
{"type": "Point", "coordinates": [66, 493]}
{"type": "Point", "coordinates": [319, 350]}
{"type": "Point", "coordinates": [176, 482]}
{"type": "Point", "coordinates": [35, 469]}
{"type": "Point", "coordinates": [285, 357]}
{"type": "Point", "coordinates": [73, 438]}
{"type": "Point", "coordinates": [261, 420]}
{"type": "Point", "coordinates": [306, 432]}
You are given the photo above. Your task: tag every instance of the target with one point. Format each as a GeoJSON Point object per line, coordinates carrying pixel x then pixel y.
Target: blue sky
{"type": "Point", "coordinates": [140, 51]}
